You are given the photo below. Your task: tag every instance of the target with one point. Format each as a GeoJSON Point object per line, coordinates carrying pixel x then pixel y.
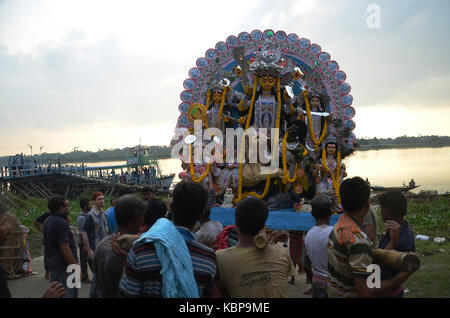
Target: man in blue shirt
{"type": "Point", "coordinates": [110, 218]}
{"type": "Point", "coordinates": [37, 223]}
{"type": "Point", "coordinates": [398, 236]}
{"type": "Point", "coordinates": [59, 244]}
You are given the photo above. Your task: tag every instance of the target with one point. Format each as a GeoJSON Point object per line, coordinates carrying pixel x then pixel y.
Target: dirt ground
{"type": "Point", "coordinates": [33, 286]}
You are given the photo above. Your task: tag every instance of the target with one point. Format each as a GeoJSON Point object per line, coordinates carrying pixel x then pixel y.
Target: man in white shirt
{"type": "Point", "coordinates": [316, 241]}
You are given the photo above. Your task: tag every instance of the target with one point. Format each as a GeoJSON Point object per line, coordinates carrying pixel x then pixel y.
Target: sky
{"type": "Point", "coordinates": [108, 74]}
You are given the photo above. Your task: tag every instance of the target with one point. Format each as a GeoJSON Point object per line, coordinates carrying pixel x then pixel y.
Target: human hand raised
{"type": "Point", "coordinates": [394, 230]}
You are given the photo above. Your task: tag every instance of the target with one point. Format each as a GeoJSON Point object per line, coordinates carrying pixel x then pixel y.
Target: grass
{"type": "Point", "coordinates": [28, 210]}
{"type": "Point", "coordinates": [430, 218]}
{"type": "Point", "coordinates": [432, 280]}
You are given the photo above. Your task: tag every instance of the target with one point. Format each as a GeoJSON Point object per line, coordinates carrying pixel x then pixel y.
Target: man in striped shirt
{"type": "Point", "coordinates": [349, 247]}
{"type": "Point", "coordinates": [142, 274]}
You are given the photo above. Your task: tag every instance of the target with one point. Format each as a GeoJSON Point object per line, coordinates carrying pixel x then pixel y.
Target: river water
{"type": "Point", "coordinates": [429, 167]}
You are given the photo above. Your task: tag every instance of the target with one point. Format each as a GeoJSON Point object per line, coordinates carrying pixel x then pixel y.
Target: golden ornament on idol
{"type": "Point", "coordinates": [335, 178]}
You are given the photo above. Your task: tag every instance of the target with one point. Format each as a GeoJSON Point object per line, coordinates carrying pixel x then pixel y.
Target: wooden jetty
{"type": "Point", "coordinates": [45, 180]}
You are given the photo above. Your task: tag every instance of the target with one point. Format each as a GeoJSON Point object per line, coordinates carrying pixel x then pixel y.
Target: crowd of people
{"type": "Point", "coordinates": [178, 251]}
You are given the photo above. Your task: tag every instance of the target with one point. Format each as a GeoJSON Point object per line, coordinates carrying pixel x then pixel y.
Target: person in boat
{"type": "Point", "coordinates": [412, 183]}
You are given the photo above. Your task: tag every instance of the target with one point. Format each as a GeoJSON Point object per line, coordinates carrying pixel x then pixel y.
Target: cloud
{"type": "Point", "coordinates": [73, 65]}
{"type": "Point", "coordinates": [76, 82]}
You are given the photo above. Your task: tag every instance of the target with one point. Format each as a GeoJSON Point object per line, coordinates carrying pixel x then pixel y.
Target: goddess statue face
{"type": "Point", "coordinates": [217, 96]}
{"type": "Point", "coordinates": [331, 149]}
{"type": "Point", "coordinates": [267, 82]}
{"type": "Point", "coordinates": [315, 102]}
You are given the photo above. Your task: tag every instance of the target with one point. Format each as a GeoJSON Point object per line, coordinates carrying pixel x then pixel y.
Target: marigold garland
{"type": "Point", "coordinates": [336, 179]}
{"type": "Point", "coordinates": [222, 102]}
{"type": "Point", "coordinates": [191, 166]}
{"type": "Point", "coordinates": [259, 196]}
{"type": "Point", "coordinates": [310, 125]}
{"type": "Point", "coordinates": [286, 177]}
{"type": "Point", "coordinates": [252, 102]}
{"type": "Point", "coordinates": [208, 98]}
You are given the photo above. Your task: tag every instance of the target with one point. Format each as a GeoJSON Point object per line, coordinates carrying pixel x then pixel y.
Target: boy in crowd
{"type": "Point", "coordinates": [316, 242]}
{"type": "Point", "coordinates": [147, 194]}
{"type": "Point", "coordinates": [261, 273]}
{"type": "Point", "coordinates": [398, 236]}
{"type": "Point", "coordinates": [155, 210]}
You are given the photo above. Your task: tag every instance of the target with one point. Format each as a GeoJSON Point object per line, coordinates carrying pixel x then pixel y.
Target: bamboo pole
{"type": "Point", "coordinates": [405, 261]}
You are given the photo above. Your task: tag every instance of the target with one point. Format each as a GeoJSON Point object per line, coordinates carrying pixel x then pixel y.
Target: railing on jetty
{"type": "Point", "coordinates": [106, 174]}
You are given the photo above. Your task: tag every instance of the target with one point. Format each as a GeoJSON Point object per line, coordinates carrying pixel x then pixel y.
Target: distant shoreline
{"type": "Point", "coordinates": [4, 159]}
{"type": "Point", "coordinates": [379, 147]}
{"type": "Point", "coordinates": [362, 148]}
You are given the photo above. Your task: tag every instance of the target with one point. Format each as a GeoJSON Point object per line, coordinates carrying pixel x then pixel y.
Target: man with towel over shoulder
{"type": "Point", "coordinates": [167, 261]}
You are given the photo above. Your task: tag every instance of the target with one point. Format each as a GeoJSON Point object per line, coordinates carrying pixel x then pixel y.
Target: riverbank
{"type": "Point", "coordinates": [426, 218]}
{"type": "Point", "coordinates": [404, 146]}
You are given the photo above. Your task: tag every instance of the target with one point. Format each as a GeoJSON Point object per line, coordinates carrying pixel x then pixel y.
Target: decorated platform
{"type": "Point", "coordinates": [287, 219]}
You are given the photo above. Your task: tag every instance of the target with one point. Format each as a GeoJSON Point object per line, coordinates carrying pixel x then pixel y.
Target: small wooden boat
{"type": "Point", "coordinates": [401, 189]}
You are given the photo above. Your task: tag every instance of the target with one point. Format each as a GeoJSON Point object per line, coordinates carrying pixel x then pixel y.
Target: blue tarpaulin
{"type": "Point", "coordinates": [287, 219]}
